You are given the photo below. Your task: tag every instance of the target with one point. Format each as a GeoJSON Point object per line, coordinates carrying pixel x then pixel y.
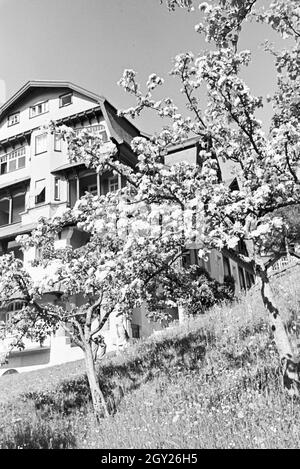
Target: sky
{"type": "Point", "coordinates": [91, 42]}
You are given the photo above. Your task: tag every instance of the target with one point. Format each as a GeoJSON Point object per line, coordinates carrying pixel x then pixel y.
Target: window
{"type": "Point", "coordinates": [56, 189]}
{"type": "Point", "coordinates": [234, 185]}
{"type": "Point", "coordinates": [40, 191]}
{"type": "Point", "coordinates": [242, 279]}
{"type": "Point", "coordinates": [113, 184]}
{"type": "Point", "coordinates": [226, 266]}
{"type": "Point", "coordinates": [18, 206]}
{"type": "Point", "coordinates": [13, 307]}
{"type": "Point", "coordinates": [20, 156]}
{"type": "Point", "coordinates": [13, 246]}
{"type": "Point", "coordinates": [72, 192]}
{"type": "Point", "coordinates": [65, 100]}
{"type": "Point", "coordinates": [11, 207]}
{"type": "Point", "coordinates": [186, 259]}
{"type": "Point", "coordinates": [241, 247]}
{"type": "Point", "coordinates": [3, 168]}
{"type": "Point", "coordinates": [13, 119]}
{"type": "Point", "coordinates": [93, 189]}
{"type": "Point", "coordinates": [57, 142]}
{"type": "Point", "coordinates": [13, 165]}
{"type": "Point", "coordinates": [37, 109]}
{"type": "Point", "coordinates": [249, 279]}
{"type": "Point", "coordinates": [16, 306]}
{"type": "Point", "coordinates": [4, 211]}
{"type": "Point", "coordinates": [135, 329]}
{"type": "Point", "coordinates": [41, 143]}
{"type": "Point", "coordinates": [5, 317]}
{"type": "Point", "coordinates": [12, 161]}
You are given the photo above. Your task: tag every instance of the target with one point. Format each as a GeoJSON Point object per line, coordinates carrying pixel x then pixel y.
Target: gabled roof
{"type": "Point", "coordinates": [120, 128]}
{"type": "Point", "coordinates": [48, 84]}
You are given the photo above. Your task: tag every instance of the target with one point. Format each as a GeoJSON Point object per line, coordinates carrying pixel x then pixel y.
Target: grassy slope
{"type": "Point", "coordinates": [213, 382]}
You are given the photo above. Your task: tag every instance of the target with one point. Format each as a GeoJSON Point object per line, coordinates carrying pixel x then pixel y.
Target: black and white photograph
{"type": "Point", "coordinates": [149, 227]}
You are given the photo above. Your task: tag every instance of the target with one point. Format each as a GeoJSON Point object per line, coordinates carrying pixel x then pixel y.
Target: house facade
{"type": "Point", "coordinates": [37, 179]}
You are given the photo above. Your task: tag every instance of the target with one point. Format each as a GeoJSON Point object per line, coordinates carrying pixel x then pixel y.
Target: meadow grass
{"type": "Point", "coordinates": [213, 382]}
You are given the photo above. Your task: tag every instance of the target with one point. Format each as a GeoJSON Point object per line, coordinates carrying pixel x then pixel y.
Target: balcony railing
{"type": "Point", "coordinates": [96, 130]}
{"type": "Point", "coordinates": [283, 263]}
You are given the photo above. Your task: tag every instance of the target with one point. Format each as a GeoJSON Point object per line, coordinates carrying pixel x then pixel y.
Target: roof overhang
{"type": "Point", "coordinates": [188, 143]}
{"type": "Point", "coordinates": [19, 137]}
{"type": "Point", "coordinates": [108, 111]}
{"type": "Point", "coordinates": [67, 167]}
{"type": "Point", "coordinates": [48, 84]}
{"type": "Point", "coordinates": [80, 115]}
{"type": "Point", "coordinates": [15, 229]}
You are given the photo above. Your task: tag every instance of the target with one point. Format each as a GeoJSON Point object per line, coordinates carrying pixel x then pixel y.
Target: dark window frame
{"type": "Point", "coordinates": [242, 278]}
{"type": "Point", "coordinates": [35, 150]}
{"type": "Point", "coordinates": [40, 113]}
{"type": "Point", "coordinates": [3, 165]}
{"type": "Point", "coordinates": [63, 96]}
{"type": "Point", "coordinates": [226, 262]}
{"type": "Point", "coordinates": [135, 331]}
{"type": "Point", "coordinates": [41, 195]}
{"type": "Point", "coordinates": [11, 115]}
{"type": "Point", "coordinates": [56, 188]}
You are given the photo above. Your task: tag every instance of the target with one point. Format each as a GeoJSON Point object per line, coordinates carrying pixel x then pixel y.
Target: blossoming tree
{"type": "Point", "coordinates": [89, 271]}
{"type": "Point", "coordinates": [266, 164]}
{"type": "Point", "coordinates": [126, 258]}
{"type": "Point", "coordinates": [137, 235]}
{"type": "Point", "coordinates": [195, 203]}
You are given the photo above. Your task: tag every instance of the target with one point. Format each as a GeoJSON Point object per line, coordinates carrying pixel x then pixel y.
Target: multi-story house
{"type": "Point", "coordinates": [37, 179]}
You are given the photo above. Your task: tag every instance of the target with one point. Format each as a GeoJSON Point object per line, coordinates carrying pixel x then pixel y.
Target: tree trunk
{"type": "Point", "coordinates": [182, 313]}
{"type": "Point", "coordinates": [98, 400]}
{"type": "Point", "coordinates": [290, 365]}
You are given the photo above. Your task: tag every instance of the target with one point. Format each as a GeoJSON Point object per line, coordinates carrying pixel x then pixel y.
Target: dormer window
{"type": "Point", "coordinates": [39, 108]}
{"type": "Point", "coordinates": [65, 100]}
{"type": "Point", "coordinates": [13, 119]}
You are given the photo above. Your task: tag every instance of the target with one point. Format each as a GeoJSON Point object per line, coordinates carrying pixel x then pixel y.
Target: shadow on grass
{"type": "Point", "coordinates": [152, 358]}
